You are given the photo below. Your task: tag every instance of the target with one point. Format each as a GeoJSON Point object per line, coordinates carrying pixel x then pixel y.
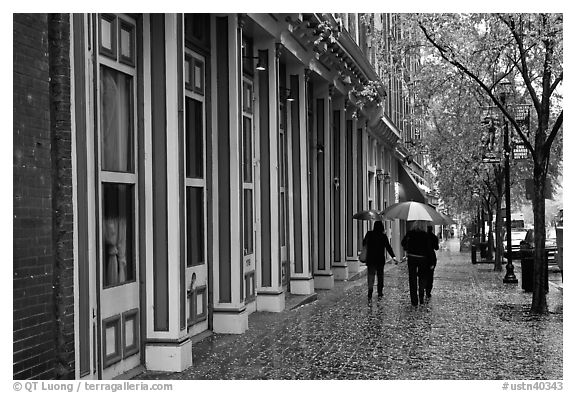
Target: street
{"type": "Point", "coordinates": [474, 327]}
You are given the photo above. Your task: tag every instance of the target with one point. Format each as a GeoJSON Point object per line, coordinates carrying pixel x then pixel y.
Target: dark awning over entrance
{"type": "Point", "coordinates": [409, 190]}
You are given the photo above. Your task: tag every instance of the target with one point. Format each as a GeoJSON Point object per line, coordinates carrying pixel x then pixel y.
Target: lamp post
{"type": "Point", "coordinates": [510, 277]}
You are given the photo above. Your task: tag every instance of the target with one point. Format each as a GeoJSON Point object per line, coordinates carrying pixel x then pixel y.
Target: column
{"type": "Point", "coordinates": [270, 294]}
{"type": "Point", "coordinates": [323, 275]}
{"type": "Point", "coordinates": [339, 264]}
{"type": "Point", "coordinates": [351, 191]}
{"type": "Point", "coordinates": [168, 347]}
{"type": "Point", "coordinates": [229, 313]}
{"type": "Point", "coordinates": [301, 280]}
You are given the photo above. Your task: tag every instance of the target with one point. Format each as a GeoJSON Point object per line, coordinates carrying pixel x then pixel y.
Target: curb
{"type": "Point", "coordinates": [307, 299]}
{"type": "Point", "coordinates": [559, 287]}
{"type": "Point", "coordinates": [359, 274]}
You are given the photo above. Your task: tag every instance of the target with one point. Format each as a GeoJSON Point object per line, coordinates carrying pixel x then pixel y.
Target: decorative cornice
{"type": "Point", "coordinates": [307, 74]}
{"type": "Point", "coordinates": [279, 49]}
{"type": "Point", "coordinates": [241, 21]}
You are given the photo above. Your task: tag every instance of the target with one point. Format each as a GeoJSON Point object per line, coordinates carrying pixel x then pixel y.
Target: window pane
{"type": "Point", "coordinates": [118, 234]}
{"type": "Point", "coordinates": [106, 33]}
{"type": "Point", "coordinates": [282, 218]}
{"type": "Point", "coordinates": [187, 72]}
{"type": "Point", "coordinates": [127, 42]}
{"type": "Point", "coordinates": [247, 151]}
{"type": "Point", "coordinates": [247, 97]}
{"type": "Point", "coordinates": [116, 121]}
{"type": "Point", "coordinates": [282, 114]}
{"type": "Point", "coordinates": [248, 224]}
{"type": "Point", "coordinates": [282, 160]}
{"type": "Point", "coordinates": [126, 37]}
{"type": "Point", "coordinates": [199, 77]}
{"type": "Point", "coordinates": [195, 225]}
{"type": "Point", "coordinates": [194, 138]}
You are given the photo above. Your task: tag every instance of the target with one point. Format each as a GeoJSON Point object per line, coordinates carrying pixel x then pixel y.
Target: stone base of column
{"type": "Point", "coordinates": [251, 307]}
{"type": "Point", "coordinates": [301, 285]}
{"type": "Point", "coordinates": [324, 280]}
{"type": "Point", "coordinates": [353, 266]}
{"type": "Point", "coordinates": [230, 321]}
{"type": "Point", "coordinates": [169, 356]}
{"type": "Point", "coordinates": [340, 271]}
{"type": "Point", "coordinates": [271, 301]}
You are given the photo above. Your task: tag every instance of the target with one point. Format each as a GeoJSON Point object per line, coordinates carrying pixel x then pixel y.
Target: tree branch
{"type": "Point", "coordinates": [476, 79]}
{"type": "Point", "coordinates": [554, 132]}
{"type": "Point", "coordinates": [524, 69]}
{"type": "Point", "coordinates": [556, 82]}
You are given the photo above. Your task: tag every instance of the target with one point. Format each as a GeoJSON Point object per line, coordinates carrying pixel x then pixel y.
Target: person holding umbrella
{"type": "Point", "coordinates": [377, 243]}
{"type": "Point", "coordinates": [418, 248]}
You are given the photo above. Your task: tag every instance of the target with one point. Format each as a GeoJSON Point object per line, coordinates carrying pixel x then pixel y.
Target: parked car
{"type": "Point", "coordinates": [550, 238]}
{"type": "Point", "coordinates": [517, 236]}
{"type": "Point", "coordinates": [550, 243]}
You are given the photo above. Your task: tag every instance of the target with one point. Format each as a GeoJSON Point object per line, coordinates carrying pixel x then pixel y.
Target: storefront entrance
{"type": "Point", "coordinates": [116, 195]}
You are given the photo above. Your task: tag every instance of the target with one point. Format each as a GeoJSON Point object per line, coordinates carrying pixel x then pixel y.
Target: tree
{"type": "Point", "coordinates": [526, 50]}
{"type": "Point", "coordinates": [485, 50]}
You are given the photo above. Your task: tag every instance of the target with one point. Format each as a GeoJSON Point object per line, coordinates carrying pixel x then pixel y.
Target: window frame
{"type": "Point", "coordinates": [248, 112]}
{"type": "Point", "coordinates": [103, 59]}
{"type": "Point", "coordinates": [191, 92]}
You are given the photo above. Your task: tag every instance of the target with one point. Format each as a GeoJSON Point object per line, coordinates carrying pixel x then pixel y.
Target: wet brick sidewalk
{"type": "Point", "coordinates": [474, 327]}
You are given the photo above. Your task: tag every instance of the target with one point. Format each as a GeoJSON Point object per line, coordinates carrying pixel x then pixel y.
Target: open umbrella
{"type": "Point", "coordinates": [368, 215]}
{"type": "Point", "coordinates": [412, 211]}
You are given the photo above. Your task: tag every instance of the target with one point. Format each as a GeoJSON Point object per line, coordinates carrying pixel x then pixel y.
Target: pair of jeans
{"type": "Point", "coordinates": [418, 269]}
{"type": "Point", "coordinates": [372, 272]}
{"type": "Point", "coordinates": [429, 281]}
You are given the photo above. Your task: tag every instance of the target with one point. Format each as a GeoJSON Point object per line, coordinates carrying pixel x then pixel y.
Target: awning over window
{"type": "Point", "coordinates": [409, 190]}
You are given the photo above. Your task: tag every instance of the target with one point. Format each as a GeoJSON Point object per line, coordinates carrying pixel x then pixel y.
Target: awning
{"type": "Point", "coordinates": [409, 190]}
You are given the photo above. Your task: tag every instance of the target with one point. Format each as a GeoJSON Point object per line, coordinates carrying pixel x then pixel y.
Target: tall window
{"type": "Point", "coordinates": [247, 167]}
{"type": "Point", "coordinates": [282, 170]}
{"type": "Point", "coordinates": [117, 146]}
{"type": "Point", "coordinates": [195, 182]}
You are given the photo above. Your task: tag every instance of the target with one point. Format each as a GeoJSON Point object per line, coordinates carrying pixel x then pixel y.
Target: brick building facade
{"type": "Point", "coordinates": [43, 298]}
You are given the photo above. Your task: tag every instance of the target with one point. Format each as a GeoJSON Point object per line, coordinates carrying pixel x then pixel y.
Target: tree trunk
{"type": "Point", "coordinates": [482, 226]}
{"type": "Point", "coordinates": [490, 248]}
{"type": "Point", "coordinates": [539, 304]}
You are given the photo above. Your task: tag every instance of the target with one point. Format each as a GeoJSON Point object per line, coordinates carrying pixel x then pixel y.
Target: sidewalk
{"type": "Point", "coordinates": [474, 327]}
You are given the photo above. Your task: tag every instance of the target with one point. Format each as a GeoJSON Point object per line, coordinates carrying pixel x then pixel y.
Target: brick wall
{"type": "Point", "coordinates": [42, 202]}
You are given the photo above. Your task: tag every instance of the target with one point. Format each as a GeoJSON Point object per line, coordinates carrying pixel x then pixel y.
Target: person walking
{"type": "Point", "coordinates": [376, 243]}
{"type": "Point", "coordinates": [434, 244]}
{"type": "Point", "coordinates": [417, 245]}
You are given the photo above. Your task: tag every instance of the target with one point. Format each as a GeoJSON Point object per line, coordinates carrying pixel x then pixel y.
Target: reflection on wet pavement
{"type": "Point", "coordinates": [473, 327]}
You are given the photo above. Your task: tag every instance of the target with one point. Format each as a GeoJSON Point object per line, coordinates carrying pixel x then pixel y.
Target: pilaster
{"type": "Point", "coordinates": [270, 294]}
{"type": "Point", "coordinates": [323, 275]}
{"type": "Point", "coordinates": [169, 348]}
{"type": "Point", "coordinates": [230, 314]}
{"type": "Point", "coordinates": [339, 264]}
{"type": "Point", "coordinates": [301, 280]}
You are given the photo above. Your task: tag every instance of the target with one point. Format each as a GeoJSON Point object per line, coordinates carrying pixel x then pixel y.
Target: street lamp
{"type": "Point", "coordinates": [383, 176]}
{"type": "Point", "coordinates": [510, 277]}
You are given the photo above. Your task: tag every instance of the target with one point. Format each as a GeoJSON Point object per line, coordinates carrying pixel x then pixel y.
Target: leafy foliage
{"type": "Point", "coordinates": [500, 62]}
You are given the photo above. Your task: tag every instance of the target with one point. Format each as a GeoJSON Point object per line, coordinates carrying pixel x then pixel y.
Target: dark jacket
{"type": "Point", "coordinates": [418, 243]}
{"type": "Point", "coordinates": [435, 246]}
{"type": "Point", "coordinates": [377, 242]}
